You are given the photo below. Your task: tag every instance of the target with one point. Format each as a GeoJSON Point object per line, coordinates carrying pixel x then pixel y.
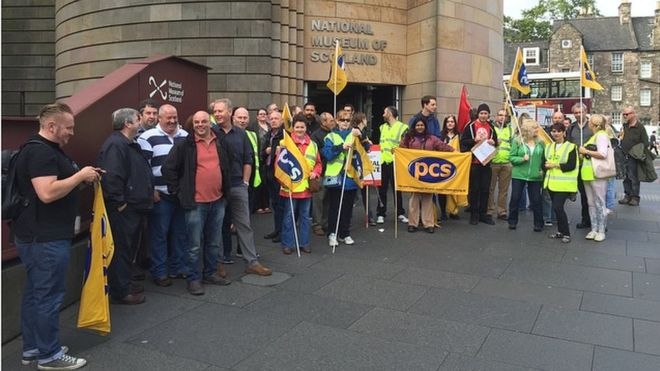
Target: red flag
{"type": "Point", "coordinates": [463, 110]}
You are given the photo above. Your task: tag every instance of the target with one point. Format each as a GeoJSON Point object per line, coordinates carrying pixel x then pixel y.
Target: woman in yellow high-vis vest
{"type": "Point", "coordinates": [560, 177]}
{"type": "Point", "coordinates": [596, 188]}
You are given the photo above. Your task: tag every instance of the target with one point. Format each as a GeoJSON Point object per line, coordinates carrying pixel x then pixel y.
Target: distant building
{"type": "Point", "coordinates": [623, 51]}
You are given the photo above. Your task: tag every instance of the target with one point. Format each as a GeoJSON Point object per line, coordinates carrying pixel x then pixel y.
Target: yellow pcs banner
{"type": "Point", "coordinates": [431, 171]}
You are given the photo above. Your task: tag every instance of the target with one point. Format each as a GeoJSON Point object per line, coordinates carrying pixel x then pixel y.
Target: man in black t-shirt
{"type": "Point", "coordinates": [43, 234]}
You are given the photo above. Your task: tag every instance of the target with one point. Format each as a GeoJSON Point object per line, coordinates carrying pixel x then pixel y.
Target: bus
{"type": "Point", "coordinates": [553, 91]}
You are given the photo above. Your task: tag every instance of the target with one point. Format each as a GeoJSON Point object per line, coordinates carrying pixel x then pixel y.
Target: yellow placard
{"type": "Point", "coordinates": [432, 171]}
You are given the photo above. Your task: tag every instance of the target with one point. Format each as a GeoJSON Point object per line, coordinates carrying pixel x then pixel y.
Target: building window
{"type": "Point", "coordinates": [566, 44]}
{"type": "Point", "coordinates": [645, 97]}
{"type": "Point", "coordinates": [617, 62]}
{"type": "Point", "coordinates": [645, 70]}
{"type": "Point", "coordinates": [616, 118]}
{"type": "Point", "coordinates": [532, 56]}
{"type": "Point", "coordinates": [616, 94]}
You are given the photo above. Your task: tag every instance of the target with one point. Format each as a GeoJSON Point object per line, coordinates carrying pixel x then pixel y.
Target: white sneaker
{"type": "Point", "coordinates": [599, 237]}
{"type": "Point", "coordinates": [65, 362]}
{"type": "Point", "coordinates": [380, 220]}
{"type": "Point", "coordinates": [26, 360]}
{"type": "Point", "coordinates": [402, 218]}
{"type": "Point", "coordinates": [590, 236]}
{"type": "Point", "coordinates": [332, 240]}
{"type": "Point", "coordinates": [347, 240]}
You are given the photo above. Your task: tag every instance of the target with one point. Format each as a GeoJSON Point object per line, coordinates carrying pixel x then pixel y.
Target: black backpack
{"type": "Point", "coordinates": [13, 203]}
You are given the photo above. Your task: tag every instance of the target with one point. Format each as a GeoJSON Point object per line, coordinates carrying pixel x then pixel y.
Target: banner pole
{"type": "Point", "coordinates": [293, 219]}
{"type": "Point", "coordinates": [341, 197]}
{"type": "Point", "coordinates": [396, 218]}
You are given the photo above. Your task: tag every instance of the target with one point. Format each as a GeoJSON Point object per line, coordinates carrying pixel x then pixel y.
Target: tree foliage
{"type": "Point", "coordinates": [536, 22]}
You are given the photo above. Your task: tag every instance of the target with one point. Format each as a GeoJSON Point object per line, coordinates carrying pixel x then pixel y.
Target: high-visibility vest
{"type": "Point", "coordinates": [253, 140]}
{"type": "Point", "coordinates": [310, 156]}
{"type": "Point", "coordinates": [504, 148]}
{"type": "Point", "coordinates": [390, 138]}
{"type": "Point", "coordinates": [334, 167]}
{"type": "Point", "coordinates": [587, 170]}
{"type": "Point", "coordinates": [555, 179]}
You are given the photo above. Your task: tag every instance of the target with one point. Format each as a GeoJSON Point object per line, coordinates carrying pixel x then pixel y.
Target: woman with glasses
{"type": "Point", "coordinates": [335, 149]}
{"type": "Point", "coordinates": [596, 188]}
{"type": "Point", "coordinates": [560, 177]}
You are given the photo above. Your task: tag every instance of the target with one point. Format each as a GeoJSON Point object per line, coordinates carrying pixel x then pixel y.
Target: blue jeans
{"type": "Point", "coordinates": [534, 194]}
{"type": "Point", "coordinates": [301, 207]}
{"type": "Point", "coordinates": [204, 226]}
{"type": "Point", "coordinates": [167, 224]}
{"type": "Point", "coordinates": [548, 213]}
{"type": "Point", "coordinates": [609, 196]}
{"type": "Point", "coordinates": [45, 285]}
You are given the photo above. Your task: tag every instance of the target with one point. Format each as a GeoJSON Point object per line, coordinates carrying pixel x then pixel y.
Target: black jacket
{"type": "Point", "coordinates": [180, 168]}
{"type": "Point", "coordinates": [271, 142]}
{"type": "Point", "coordinates": [467, 138]}
{"type": "Point", "coordinates": [128, 177]}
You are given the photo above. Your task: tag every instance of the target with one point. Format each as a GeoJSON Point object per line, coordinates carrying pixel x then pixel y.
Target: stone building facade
{"type": "Point", "coordinates": [260, 51]}
{"type": "Point", "coordinates": [623, 51]}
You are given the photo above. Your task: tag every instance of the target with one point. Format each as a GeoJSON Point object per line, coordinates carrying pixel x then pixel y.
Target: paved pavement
{"type": "Point", "coordinates": [465, 298]}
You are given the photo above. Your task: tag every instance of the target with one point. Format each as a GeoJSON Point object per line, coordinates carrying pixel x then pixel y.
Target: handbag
{"type": "Point", "coordinates": [314, 185]}
{"type": "Point", "coordinates": [605, 168]}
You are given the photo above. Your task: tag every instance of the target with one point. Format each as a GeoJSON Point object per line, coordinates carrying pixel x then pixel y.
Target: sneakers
{"type": "Point", "coordinates": [332, 240]}
{"type": "Point", "coordinates": [26, 360]}
{"type": "Point", "coordinates": [547, 223]}
{"type": "Point", "coordinates": [226, 260]}
{"type": "Point", "coordinates": [402, 218]}
{"type": "Point", "coordinates": [564, 239]}
{"type": "Point", "coordinates": [380, 220]}
{"type": "Point", "coordinates": [65, 362]}
{"type": "Point", "coordinates": [347, 240]}
{"type": "Point", "coordinates": [590, 236]}
{"type": "Point", "coordinates": [599, 237]}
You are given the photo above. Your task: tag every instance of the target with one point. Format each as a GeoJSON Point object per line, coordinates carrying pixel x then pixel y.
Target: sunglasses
{"type": "Point", "coordinates": [626, 113]}
{"type": "Point", "coordinates": [344, 120]}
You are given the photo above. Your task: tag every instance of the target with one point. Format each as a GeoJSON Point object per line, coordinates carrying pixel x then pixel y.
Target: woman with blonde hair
{"type": "Point", "coordinates": [527, 158]}
{"type": "Point", "coordinates": [595, 188]}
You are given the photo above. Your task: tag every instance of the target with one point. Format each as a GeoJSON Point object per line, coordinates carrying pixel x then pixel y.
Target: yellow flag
{"type": "Point", "coordinates": [432, 171]}
{"type": "Point", "coordinates": [291, 168]}
{"type": "Point", "coordinates": [519, 80]}
{"type": "Point", "coordinates": [588, 78]}
{"type": "Point", "coordinates": [360, 165]}
{"type": "Point", "coordinates": [338, 80]}
{"type": "Point", "coordinates": [286, 117]}
{"type": "Point", "coordinates": [94, 312]}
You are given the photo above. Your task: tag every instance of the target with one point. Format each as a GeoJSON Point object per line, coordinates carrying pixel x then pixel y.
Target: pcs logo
{"type": "Point", "coordinates": [290, 165]}
{"type": "Point", "coordinates": [432, 169]}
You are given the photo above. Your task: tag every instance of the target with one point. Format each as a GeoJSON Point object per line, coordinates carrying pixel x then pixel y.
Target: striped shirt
{"type": "Point", "coordinates": [156, 145]}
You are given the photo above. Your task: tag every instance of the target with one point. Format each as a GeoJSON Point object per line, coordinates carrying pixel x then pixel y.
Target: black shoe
{"type": "Point", "coordinates": [454, 216]}
{"type": "Point", "coordinates": [583, 225]}
{"type": "Point", "coordinates": [487, 220]}
{"type": "Point", "coordinates": [474, 219]}
{"type": "Point", "coordinates": [512, 226]}
{"type": "Point", "coordinates": [430, 230]}
{"type": "Point", "coordinates": [277, 239]}
{"type": "Point", "coordinates": [412, 229]}
{"type": "Point", "coordinates": [271, 235]}
{"type": "Point", "coordinates": [538, 229]}
{"type": "Point", "coordinates": [625, 200]}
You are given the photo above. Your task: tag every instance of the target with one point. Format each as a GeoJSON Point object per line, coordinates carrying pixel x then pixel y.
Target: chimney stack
{"type": "Point", "coordinates": [655, 36]}
{"type": "Point", "coordinates": [624, 12]}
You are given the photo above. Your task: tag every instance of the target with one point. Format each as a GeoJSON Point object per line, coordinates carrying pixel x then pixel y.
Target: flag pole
{"type": "Point", "coordinates": [334, 67]}
{"type": "Point", "coordinates": [396, 219]}
{"type": "Point", "coordinates": [514, 114]}
{"type": "Point", "coordinates": [341, 196]}
{"type": "Point", "coordinates": [579, 120]}
{"type": "Point", "coordinates": [293, 219]}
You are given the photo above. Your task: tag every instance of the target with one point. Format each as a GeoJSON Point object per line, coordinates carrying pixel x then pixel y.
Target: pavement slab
{"type": "Point", "coordinates": [601, 260]}
{"type": "Point", "coordinates": [422, 330]}
{"type": "Point", "coordinates": [436, 278]}
{"type": "Point", "coordinates": [536, 351]}
{"type": "Point", "coordinates": [585, 327]}
{"type": "Point", "coordinates": [646, 286]}
{"type": "Point", "coordinates": [644, 249]}
{"type": "Point", "coordinates": [608, 359]}
{"type": "Point", "coordinates": [456, 361]}
{"type": "Point", "coordinates": [621, 306]}
{"type": "Point", "coordinates": [652, 265]}
{"type": "Point", "coordinates": [646, 337]}
{"type": "Point", "coordinates": [480, 309]}
{"type": "Point", "coordinates": [315, 347]}
{"type": "Point", "coordinates": [533, 293]}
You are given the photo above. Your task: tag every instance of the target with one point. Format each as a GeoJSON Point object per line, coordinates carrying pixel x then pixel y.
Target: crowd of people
{"type": "Point", "coordinates": [177, 191]}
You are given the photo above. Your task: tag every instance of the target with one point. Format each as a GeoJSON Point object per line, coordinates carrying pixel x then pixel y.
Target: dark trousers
{"type": "Point", "coordinates": [226, 233]}
{"type": "Point", "coordinates": [276, 202]}
{"type": "Point", "coordinates": [558, 202]}
{"type": "Point", "coordinates": [631, 181]}
{"type": "Point", "coordinates": [387, 181]}
{"type": "Point", "coordinates": [586, 220]}
{"type": "Point", "coordinates": [334, 194]}
{"type": "Point", "coordinates": [479, 189]}
{"type": "Point", "coordinates": [125, 226]}
{"type": "Point", "coordinates": [534, 194]}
